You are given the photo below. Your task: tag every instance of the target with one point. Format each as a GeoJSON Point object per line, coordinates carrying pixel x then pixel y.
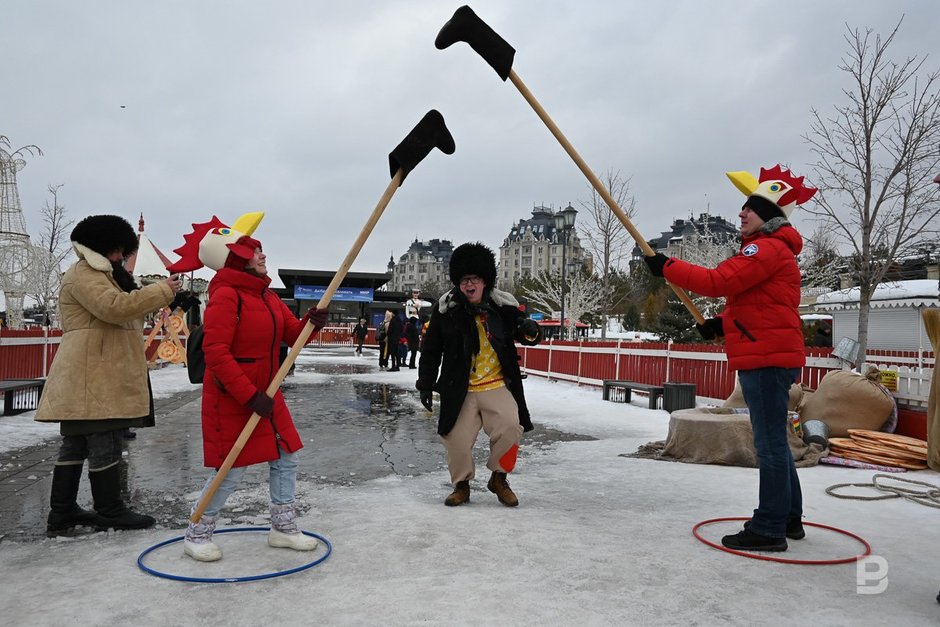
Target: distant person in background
{"type": "Point", "coordinates": [395, 329]}
{"type": "Point", "coordinates": [823, 335]}
{"type": "Point", "coordinates": [381, 335]}
{"type": "Point", "coordinates": [359, 334]}
{"type": "Point", "coordinates": [98, 385]}
{"type": "Point", "coordinates": [413, 305]}
{"type": "Point", "coordinates": [763, 339]}
{"type": "Point", "coordinates": [413, 336]}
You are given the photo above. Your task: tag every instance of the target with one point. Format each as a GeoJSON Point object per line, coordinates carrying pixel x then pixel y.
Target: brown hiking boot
{"type": "Point", "coordinates": [460, 495]}
{"type": "Point", "coordinates": [499, 486]}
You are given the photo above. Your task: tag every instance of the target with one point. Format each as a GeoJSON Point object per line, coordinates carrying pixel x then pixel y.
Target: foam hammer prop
{"type": "Point", "coordinates": [466, 26]}
{"type": "Point", "coordinates": [429, 133]}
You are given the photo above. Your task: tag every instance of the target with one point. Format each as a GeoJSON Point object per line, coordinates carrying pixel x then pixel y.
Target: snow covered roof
{"type": "Point", "coordinates": [913, 293]}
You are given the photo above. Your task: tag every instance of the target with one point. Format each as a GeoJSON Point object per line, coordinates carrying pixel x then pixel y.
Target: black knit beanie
{"type": "Point", "coordinates": [765, 209]}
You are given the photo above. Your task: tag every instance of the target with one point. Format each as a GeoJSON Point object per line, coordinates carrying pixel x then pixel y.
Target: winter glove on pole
{"type": "Point", "coordinates": [427, 399]}
{"type": "Point", "coordinates": [711, 328]}
{"type": "Point", "coordinates": [317, 317]}
{"type": "Point", "coordinates": [184, 300]}
{"type": "Point", "coordinates": [529, 328]}
{"type": "Point", "coordinates": [656, 263]}
{"type": "Point", "coordinates": [262, 404]}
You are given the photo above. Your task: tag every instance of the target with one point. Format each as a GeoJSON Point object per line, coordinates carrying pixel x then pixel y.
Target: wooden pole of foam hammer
{"type": "Point", "coordinates": [467, 26]}
{"type": "Point", "coordinates": [429, 133]}
{"type": "Point", "coordinates": [601, 189]}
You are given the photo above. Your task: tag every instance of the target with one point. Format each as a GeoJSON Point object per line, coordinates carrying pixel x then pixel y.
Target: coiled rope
{"type": "Point", "coordinates": [929, 497]}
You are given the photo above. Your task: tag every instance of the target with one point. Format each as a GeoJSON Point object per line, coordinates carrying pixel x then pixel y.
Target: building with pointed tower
{"type": "Point", "coordinates": [424, 264]}
{"type": "Point", "coordinates": [535, 245]}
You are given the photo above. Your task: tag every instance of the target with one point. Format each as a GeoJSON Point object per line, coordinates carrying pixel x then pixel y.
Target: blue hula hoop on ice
{"type": "Point", "coordinates": [277, 573]}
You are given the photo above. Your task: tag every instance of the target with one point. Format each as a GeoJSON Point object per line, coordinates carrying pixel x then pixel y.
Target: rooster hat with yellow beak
{"type": "Point", "coordinates": [774, 194]}
{"type": "Point", "coordinates": [216, 245]}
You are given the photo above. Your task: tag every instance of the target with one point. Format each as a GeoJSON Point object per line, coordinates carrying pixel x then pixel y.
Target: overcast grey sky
{"type": "Point", "coordinates": [184, 109]}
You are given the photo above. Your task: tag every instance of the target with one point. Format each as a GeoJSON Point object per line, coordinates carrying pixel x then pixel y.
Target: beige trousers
{"type": "Point", "coordinates": [495, 412]}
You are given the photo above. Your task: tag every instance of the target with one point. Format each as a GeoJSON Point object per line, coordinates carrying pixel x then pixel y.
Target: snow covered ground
{"type": "Point", "coordinates": [599, 539]}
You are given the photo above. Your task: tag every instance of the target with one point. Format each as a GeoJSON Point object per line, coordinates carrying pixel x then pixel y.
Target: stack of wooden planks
{"type": "Point", "coordinates": [875, 447]}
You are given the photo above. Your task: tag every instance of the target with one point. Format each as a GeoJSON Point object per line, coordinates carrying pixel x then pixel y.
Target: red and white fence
{"type": "Point", "coordinates": [29, 353]}
{"type": "Point", "coordinates": [590, 363]}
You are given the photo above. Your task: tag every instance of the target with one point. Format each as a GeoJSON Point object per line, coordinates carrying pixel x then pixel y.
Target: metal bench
{"type": "Point", "coordinates": [617, 390]}
{"type": "Point", "coordinates": [20, 395]}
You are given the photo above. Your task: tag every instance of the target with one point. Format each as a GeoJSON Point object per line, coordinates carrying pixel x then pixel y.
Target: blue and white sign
{"type": "Point", "coordinates": [316, 292]}
{"type": "Point", "coordinates": [537, 315]}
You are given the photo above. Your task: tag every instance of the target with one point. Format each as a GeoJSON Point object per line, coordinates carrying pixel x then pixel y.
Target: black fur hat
{"type": "Point", "coordinates": [105, 234]}
{"type": "Point", "coordinates": [473, 258]}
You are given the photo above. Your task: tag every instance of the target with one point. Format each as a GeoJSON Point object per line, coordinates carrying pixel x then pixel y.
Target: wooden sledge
{"type": "Point", "coordinates": [884, 461]}
{"type": "Point", "coordinates": [875, 452]}
{"type": "Point", "coordinates": [861, 446]}
{"type": "Point", "coordinates": [891, 440]}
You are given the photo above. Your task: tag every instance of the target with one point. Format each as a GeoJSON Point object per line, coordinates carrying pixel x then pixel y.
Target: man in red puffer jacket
{"type": "Point", "coordinates": [763, 339]}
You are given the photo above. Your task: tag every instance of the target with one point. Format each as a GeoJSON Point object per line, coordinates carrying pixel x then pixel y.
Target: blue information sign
{"type": "Point", "coordinates": [315, 292]}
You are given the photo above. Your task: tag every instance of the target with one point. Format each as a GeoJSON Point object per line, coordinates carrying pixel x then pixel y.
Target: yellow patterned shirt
{"type": "Point", "coordinates": [486, 373]}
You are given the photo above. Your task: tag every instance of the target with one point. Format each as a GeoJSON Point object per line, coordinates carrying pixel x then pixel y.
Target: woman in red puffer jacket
{"type": "Point", "coordinates": [244, 325]}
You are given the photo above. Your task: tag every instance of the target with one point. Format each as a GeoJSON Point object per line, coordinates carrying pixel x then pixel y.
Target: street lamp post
{"type": "Point", "coordinates": [564, 223]}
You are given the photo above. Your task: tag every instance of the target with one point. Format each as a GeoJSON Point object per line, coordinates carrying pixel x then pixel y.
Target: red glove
{"type": "Point", "coordinates": [262, 404]}
{"type": "Point", "coordinates": [317, 317]}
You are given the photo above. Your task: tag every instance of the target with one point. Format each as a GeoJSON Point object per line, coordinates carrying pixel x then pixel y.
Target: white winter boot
{"type": "Point", "coordinates": [197, 543]}
{"type": "Point", "coordinates": [284, 532]}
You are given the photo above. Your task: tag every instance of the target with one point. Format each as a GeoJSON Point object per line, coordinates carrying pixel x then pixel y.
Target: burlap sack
{"type": "Point", "coordinates": [721, 435]}
{"type": "Point", "coordinates": [848, 400]}
{"type": "Point", "coordinates": [796, 396]}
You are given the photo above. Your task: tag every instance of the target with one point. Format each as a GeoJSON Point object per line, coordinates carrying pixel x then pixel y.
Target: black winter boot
{"type": "Point", "coordinates": [747, 540]}
{"type": "Point", "coordinates": [795, 529]}
{"type": "Point", "coordinates": [112, 513]}
{"type": "Point", "coordinates": [64, 512]}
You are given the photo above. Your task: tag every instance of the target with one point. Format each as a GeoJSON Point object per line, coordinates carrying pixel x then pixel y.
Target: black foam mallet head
{"type": "Point", "coordinates": [431, 132]}
{"type": "Point", "coordinates": [466, 26]}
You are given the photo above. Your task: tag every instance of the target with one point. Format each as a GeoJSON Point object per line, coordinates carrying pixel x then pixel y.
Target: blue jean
{"type": "Point", "coordinates": [766, 392]}
{"type": "Point", "coordinates": [282, 482]}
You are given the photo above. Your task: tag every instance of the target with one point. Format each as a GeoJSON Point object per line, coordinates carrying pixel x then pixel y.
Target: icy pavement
{"type": "Point", "coordinates": [598, 539]}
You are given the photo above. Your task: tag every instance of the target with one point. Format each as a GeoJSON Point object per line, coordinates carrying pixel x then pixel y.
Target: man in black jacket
{"type": "Point", "coordinates": [470, 342]}
{"type": "Point", "coordinates": [360, 331]}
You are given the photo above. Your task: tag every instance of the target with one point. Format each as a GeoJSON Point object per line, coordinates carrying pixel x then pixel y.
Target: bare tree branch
{"type": "Point", "coordinates": [607, 239]}
{"type": "Point", "coordinates": [875, 160]}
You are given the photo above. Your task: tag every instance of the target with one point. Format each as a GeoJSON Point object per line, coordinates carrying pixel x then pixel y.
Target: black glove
{"type": "Point", "coordinates": [184, 300]}
{"type": "Point", "coordinates": [711, 328]}
{"type": "Point", "coordinates": [427, 399]}
{"type": "Point", "coordinates": [656, 263]}
{"type": "Point", "coordinates": [262, 404]}
{"type": "Point", "coordinates": [317, 317]}
{"type": "Point", "coordinates": [529, 328]}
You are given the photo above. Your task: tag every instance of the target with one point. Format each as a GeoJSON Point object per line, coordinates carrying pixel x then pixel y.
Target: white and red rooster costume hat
{"type": "Point", "coordinates": [216, 245]}
{"type": "Point", "coordinates": [774, 194]}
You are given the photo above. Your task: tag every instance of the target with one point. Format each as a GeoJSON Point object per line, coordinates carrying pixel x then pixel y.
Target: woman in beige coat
{"type": "Point", "coordinates": [98, 384]}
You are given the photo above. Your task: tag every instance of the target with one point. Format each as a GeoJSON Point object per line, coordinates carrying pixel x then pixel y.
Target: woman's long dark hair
{"type": "Point", "coordinates": [123, 278]}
